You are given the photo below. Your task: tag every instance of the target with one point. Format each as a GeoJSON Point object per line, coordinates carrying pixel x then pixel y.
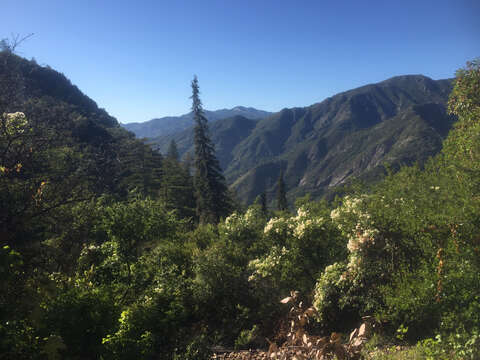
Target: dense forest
{"type": "Point", "coordinates": [111, 250]}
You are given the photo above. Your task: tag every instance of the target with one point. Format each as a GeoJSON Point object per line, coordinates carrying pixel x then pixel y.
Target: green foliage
{"type": "Point", "coordinates": [262, 201]}
{"type": "Point", "coordinates": [130, 341]}
{"type": "Point", "coordinates": [301, 247]}
{"type": "Point", "coordinates": [337, 299]}
{"type": "Point", "coordinates": [142, 168]}
{"type": "Point", "coordinates": [199, 348]}
{"type": "Point", "coordinates": [411, 300]}
{"type": "Point", "coordinates": [244, 229]}
{"type": "Point", "coordinates": [81, 316]}
{"type": "Point", "coordinates": [18, 338]}
{"type": "Point", "coordinates": [462, 145]}
{"type": "Point", "coordinates": [247, 338]}
{"type": "Point", "coordinates": [53, 347]}
{"type": "Point", "coordinates": [177, 190]}
{"type": "Point", "coordinates": [138, 222]}
{"type": "Point", "coordinates": [220, 288]}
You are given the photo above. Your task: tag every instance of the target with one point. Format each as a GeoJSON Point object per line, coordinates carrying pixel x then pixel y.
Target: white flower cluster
{"type": "Point", "coordinates": [251, 215]}
{"type": "Point", "coordinates": [297, 226]}
{"type": "Point", "coordinates": [302, 213]}
{"type": "Point", "coordinates": [15, 123]}
{"type": "Point", "coordinates": [350, 207]}
{"type": "Point", "coordinates": [361, 239]}
{"type": "Point", "coordinates": [263, 268]}
{"type": "Point", "coordinates": [232, 222]}
{"type": "Point", "coordinates": [303, 227]}
{"type": "Point", "coordinates": [158, 289]}
{"type": "Point", "coordinates": [354, 262]}
{"type": "Point", "coordinates": [358, 226]}
{"type": "Point", "coordinates": [276, 225]}
{"type": "Point", "coordinates": [235, 223]}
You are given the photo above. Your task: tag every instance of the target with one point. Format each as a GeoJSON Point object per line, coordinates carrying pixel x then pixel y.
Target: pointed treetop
{"type": "Point", "coordinates": [172, 152]}
{"type": "Point", "coordinates": [261, 201]}
{"type": "Point", "coordinates": [196, 102]}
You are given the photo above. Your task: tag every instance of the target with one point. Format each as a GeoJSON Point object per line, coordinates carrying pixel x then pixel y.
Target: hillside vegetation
{"type": "Point", "coordinates": [102, 256]}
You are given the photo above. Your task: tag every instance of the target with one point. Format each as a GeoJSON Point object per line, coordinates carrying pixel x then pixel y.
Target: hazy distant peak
{"type": "Point", "coordinates": [243, 108]}
{"type": "Point", "coordinates": [172, 124]}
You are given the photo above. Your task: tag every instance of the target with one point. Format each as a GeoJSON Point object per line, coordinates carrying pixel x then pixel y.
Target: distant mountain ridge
{"type": "Point", "coordinates": [397, 121]}
{"type": "Point", "coordinates": [171, 124]}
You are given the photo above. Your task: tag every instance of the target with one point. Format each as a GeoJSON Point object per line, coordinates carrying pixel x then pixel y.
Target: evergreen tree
{"type": "Point", "coordinates": [172, 152]}
{"type": "Point", "coordinates": [142, 168]}
{"type": "Point", "coordinates": [211, 190]}
{"type": "Point", "coordinates": [187, 162]}
{"type": "Point", "coordinates": [282, 204]}
{"type": "Point", "coordinates": [177, 187]}
{"type": "Point", "coordinates": [261, 201]}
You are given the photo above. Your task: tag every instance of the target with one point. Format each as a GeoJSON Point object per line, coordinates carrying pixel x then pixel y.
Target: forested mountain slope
{"type": "Point", "coordinates": [60, 148]}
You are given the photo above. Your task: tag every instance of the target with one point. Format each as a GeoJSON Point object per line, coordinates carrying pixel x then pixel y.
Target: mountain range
{"type": "Point", "coordinates": [319, 147]}
{"type": "Point", "coordinates": [352, 134]}
{"type": "Point", "coordinates": [171, 124]}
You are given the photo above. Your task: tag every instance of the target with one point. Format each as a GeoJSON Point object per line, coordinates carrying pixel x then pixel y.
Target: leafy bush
{"type": "Point", "coordinates": [81, 317]}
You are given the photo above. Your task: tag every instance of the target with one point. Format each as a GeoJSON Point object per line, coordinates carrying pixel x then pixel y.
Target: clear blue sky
{"type": "Point", "coordinates": [136, 58]}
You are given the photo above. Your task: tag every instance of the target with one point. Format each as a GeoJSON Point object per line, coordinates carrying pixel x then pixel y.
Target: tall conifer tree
{"type": "Point", "coordinates": [172, 152]}
{"type": "Point", "coordinates": [177, 191]}
{"type": "Point", "coordinates": [282, 203]}
{"type": "Point", "coordinates": [263, 203]}
{"type": "Point", "coordinates": [211, 190]}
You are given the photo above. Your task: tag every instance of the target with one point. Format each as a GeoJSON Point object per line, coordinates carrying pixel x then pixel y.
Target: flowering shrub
{"type": "Point", "coordinates": [344, 290]}
{"type": "Point", "coordinates": [244, 228]}
{"type": "Point", "coordinates": [300, 226]}
{"type": "Point", "coordinates": [278, 229]}
{"type": "Point", "coordinates": [14, 123]}
{"type": "Point", "coordinates": [267, 266]}
{"type": "Point", "coordinates": [300, 247]}
{"type": "Point", "coordinates": [357, 225]}
{"type": "Point", "coordinates": [327, 287]}
{"type": "Point", "coordinates": [304, 224]}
